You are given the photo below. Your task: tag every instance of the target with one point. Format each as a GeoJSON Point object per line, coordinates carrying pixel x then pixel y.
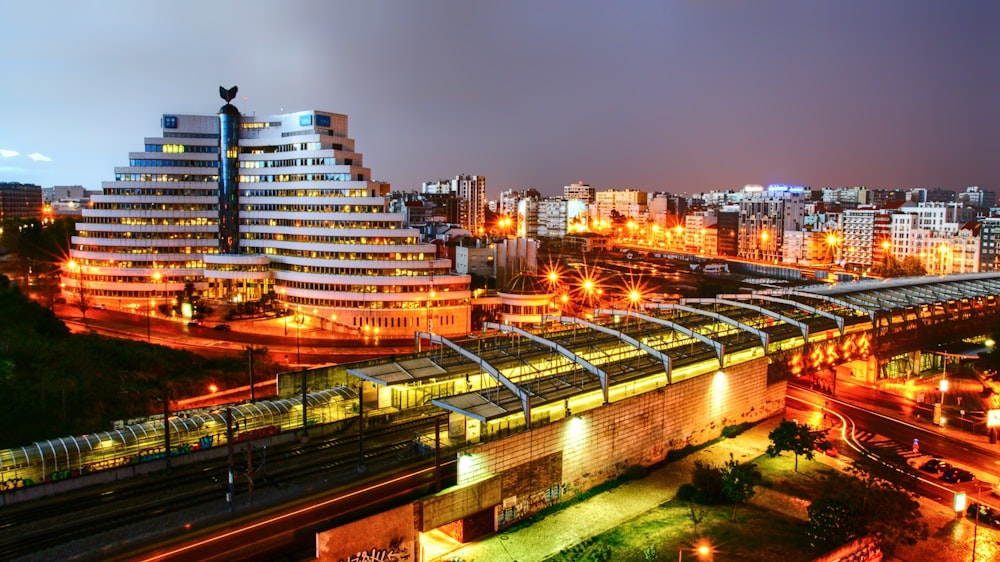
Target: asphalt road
{"type": "Point", "coordinates": [207, 341]}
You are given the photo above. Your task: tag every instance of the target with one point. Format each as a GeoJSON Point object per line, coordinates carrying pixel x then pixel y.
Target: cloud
{"type": "Point", "coordinates": [37, 157]}
{"type": "Point", "coordinates": [8, 153]}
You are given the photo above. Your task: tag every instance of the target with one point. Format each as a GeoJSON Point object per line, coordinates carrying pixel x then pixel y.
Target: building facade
{"type": "Point", "coordinates": [20, 201]}
{"type": "Point", "coordinates": [274, 208]}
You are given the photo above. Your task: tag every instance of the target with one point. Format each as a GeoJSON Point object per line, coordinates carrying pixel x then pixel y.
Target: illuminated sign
{"type": "Point", "coordinates": [305, 120]}
{"type": "Point", "coordinates": [992, 418]}
{"type": "Point", "coordinates": [169, 122]}
{"type": "Point", "coordinates": [959, 501]}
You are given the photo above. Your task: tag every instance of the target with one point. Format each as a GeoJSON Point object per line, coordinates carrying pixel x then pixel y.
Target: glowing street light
{"type": "Point", "coordinates": [703, 550]}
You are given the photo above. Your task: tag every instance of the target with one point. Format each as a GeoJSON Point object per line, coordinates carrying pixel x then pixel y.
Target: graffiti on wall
{"type": "Point", "coordinates": [397, 551]}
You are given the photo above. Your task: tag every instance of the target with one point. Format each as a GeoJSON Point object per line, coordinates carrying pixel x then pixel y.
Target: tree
{"type": "Point", "coordinates": [790, 436]}
{"type": "Point", "coordinates": [859, 504]}
{"type": "Point", "coordinates": [738, 481]}
{"type": "Point", "coordinates": [909, 266]}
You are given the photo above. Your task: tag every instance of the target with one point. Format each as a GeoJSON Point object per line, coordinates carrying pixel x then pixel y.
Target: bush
{"type": "Point", "coordinates": [731, 431]}
{"type": "Point", "coordinates": [678, 454]}
{"type": "Point", "coordinates": [635, 472]}
{"type": "Point", "coordinates": [686, 492]}
{"type": "Point", "coordinates": [708, 480]}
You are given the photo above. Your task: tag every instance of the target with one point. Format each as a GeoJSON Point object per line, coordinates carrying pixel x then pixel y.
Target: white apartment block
{"type": "Point", "coordinates": [846, 195]}
{"type": "Point", "coordinates": [580, 191]}
{"type": "Point", "coordinates": [553, 217]}
{"type": "Point", "coordinates": [857, 239]}
{"type": "Point", "coordinates": [245, 208]}
{"type": "Point", "coordinates": [626, 202]}
{"type": "Point", "coordinates": [696, 225]}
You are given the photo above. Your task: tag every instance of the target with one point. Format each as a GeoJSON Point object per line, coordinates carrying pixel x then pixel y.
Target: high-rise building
{"type": "Point", "coordinates": [765, 215]}
{"type": "Point", "coordinates": [470, 192]}
{"type": "Point", "coordinates": [276, 209]}
{"type": "Point", "coordinates": [20, 201]}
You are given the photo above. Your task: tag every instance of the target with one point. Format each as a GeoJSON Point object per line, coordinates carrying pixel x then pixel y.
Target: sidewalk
{"type": "Point", "coordinates": [599, 513]}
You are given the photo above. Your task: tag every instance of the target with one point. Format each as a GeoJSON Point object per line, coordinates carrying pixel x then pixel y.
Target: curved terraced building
{"type": "Point", "coordinates": [279, 208]}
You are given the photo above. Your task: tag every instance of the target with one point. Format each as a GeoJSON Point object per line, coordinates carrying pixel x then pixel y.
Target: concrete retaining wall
{"type": "Point", "coordinates": [557, 461]}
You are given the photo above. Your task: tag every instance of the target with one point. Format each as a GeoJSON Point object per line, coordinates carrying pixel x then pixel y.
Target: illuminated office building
{"type": "Point", "coordinates": [277, 208]}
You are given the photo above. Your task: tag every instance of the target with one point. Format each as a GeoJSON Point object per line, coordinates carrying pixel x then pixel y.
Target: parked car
{"type": "Point", "coordinates": [954, 474]}
{"type": "Point", "coordinates": [823, 445]}
{"type": "Point", "coordinates": [935, 466]}
{"type": "Point", "coordinates": [195, 324]}
{"type": "Point", "coordinates": [986, 514]}
{"type": "Point", "coordinates": [223, 327]}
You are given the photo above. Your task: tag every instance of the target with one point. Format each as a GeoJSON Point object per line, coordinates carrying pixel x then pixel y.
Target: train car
{"type": "Point", "coordinates": [49, 461]}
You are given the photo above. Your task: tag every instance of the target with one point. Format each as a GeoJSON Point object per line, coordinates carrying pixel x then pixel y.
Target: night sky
{"type": "Point", "coordinates": [683, 97]}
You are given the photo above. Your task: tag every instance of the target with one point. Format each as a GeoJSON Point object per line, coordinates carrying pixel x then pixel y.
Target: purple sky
{"type": "Point", "coordinates": [658, 96]}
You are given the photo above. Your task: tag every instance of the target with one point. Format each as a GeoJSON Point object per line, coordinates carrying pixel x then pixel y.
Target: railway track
{"type": "Point", "coordinates": [38, 526]}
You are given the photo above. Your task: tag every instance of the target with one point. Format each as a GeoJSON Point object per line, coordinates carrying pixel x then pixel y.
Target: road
{"type": "Point", "coordinates": [313, 348]}
{"type": "Point", "coordinates": [868, 428]}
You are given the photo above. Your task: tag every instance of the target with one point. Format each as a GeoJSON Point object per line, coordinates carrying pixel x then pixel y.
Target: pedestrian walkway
{"type": "Point", "coordinates": [586, 518]}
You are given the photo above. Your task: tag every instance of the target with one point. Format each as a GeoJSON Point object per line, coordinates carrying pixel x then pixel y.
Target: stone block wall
{"type": "Point", "coordinates": [550, 463]}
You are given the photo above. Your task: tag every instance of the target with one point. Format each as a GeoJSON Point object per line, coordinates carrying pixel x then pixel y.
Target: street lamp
{"type": "Point", "coordinates": [284, 303]}
{"type": "Point", "coordinates": [152, 302]}
{"type": "Point", "coordinates": [298, 328]}
{"type": "Point", "coordinates": [430, 318]}
{"type": "Point", "coordinates": [703, 550]}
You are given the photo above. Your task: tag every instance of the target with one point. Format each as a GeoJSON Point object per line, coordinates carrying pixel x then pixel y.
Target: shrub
{"type": "Point", "coordinates": [635, 472]}
{"type": "Point", "coordinates": [686, 492]}
{"type": "Point", "coordinates": [731, 431]}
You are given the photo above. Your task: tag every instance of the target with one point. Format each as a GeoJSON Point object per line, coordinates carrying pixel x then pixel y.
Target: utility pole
{"type": "Point", "coordinates": [361, 426]}
{"type": "Point", "coordinates": [229, 446]}
{"type": "Point", "coordinates": [305, 400]}
{"type": "Point", "coordinates": [250, 351]}
{"type": "Point", "coordinates": [166, 429]}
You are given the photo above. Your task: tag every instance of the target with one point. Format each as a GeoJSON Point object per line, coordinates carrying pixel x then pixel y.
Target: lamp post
{"type": "Point", "coordinates": [703, 551]}
{"type": "Point", "coordinates": [284, 303]}
{"type": "Point", "coordinates": [298, 329]}
{"type": "Point", "coordinates": [250, 351]}
{"type": "Point", "coordinates": [430, 318]}
{"type": "Point", "coordinates": [152, 302]}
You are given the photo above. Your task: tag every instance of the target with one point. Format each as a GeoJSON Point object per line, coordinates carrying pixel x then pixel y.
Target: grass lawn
{"type": "Point", "coordinates": [771, 527]}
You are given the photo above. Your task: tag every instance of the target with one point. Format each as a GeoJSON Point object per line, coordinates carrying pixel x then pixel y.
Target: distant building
{"type": "Point", "coordinates": [479, 260]}
{"type": "Point", "coordinates": [587, 242]}
{"type": "Point", "coordinates": [989, 257]}
{"type": "Point", "coordinates": [579, 191]}
{"type": "Point", "coordinates": [20, 201]}
{"type": "Point", "coordinates": [627, 203]}
{"type": "Point", "coordinates": [470, 192]}
{"type": "Point", "coordinates": [765, 215]}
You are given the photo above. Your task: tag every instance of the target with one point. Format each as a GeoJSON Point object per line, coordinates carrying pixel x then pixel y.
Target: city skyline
{"type": "Point", "coordinates": [679, 97]}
